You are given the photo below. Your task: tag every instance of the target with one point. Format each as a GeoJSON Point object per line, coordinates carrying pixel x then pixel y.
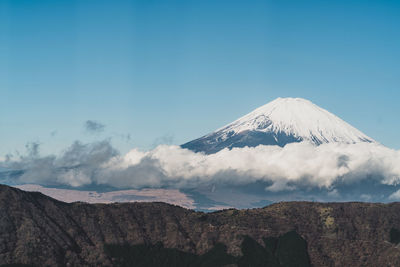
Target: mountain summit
{"type": "Point", "coordinates": [282, 121]}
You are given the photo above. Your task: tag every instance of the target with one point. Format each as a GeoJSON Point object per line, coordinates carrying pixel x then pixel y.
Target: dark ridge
{"type": "Point", "coordinates": [37, 230]}
{"type": "Point", "coordinates": [290, 252]}
{"type": "Point", "coordinates": [394, 236]}
{"type": "Point", "coordinates": [158, 256]}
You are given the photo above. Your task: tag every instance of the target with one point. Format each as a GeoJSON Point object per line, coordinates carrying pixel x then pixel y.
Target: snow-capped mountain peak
{"type": "Point", "coordinates": [282, 121]}
{"type": "Point", "coordinates": [300, 118]}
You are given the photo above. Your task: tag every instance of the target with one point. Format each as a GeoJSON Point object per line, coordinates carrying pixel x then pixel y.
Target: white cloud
{"type": "Point", "coordinates": [395, 196]}
{"type": "Point", "coordinates": [295, 165]}
{"type": "Point", "coordinates": [319, 166]}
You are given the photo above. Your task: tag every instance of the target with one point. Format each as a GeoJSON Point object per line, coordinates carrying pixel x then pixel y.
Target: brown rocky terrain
{"type": "Point", "coordinates": [40, 231]}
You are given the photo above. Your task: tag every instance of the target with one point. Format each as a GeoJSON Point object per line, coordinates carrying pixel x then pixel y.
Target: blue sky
{"type": "Point", "coordinates": [171, 71]}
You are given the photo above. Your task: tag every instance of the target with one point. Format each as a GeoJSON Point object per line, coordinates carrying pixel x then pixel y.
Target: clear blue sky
{"type": "Point", "coordinates": [175, 70]}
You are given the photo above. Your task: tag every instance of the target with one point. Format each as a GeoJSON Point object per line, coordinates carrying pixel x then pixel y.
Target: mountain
{"type": "Point", "coordinates": [37, 230]}
{"type": "Point", "coordinates": [282, 121]}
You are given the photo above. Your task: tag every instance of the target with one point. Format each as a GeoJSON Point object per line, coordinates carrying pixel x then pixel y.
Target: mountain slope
{"type": "Point", "coordinates": [282, 121]}
{"type": "Point", "coordinates": [40, 231]}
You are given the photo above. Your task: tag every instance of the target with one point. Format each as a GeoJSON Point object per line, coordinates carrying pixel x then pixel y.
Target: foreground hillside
{"type": "Point", "coordinates": [40, 231]}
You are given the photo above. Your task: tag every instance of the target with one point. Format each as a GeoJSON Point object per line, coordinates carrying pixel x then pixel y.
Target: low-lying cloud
{"type": "Point", "coordinates": [297, 165]}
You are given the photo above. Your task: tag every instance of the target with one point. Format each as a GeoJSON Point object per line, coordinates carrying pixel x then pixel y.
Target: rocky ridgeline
{"type": "Point", "coordinates": [40, 231]}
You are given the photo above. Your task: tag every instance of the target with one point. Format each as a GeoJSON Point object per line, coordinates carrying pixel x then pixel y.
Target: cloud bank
{"type": "Point", "coordinates": [297, 165]}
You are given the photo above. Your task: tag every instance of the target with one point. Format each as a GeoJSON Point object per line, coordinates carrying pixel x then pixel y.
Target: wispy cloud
{"type": "Point", "coordinates": [53, 133]}
{"type": "Point", "coordinates": [77, 165]}
{"type": "Point", "coordinates": [92, 126]}
{"type": "Point", "coordinates": [166, 139]}
{"type": "Point", "coordinates": [33, 149]}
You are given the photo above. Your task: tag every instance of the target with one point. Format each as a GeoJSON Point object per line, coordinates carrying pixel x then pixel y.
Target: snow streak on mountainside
{"type": "Point", "coordinates": [282, 121]}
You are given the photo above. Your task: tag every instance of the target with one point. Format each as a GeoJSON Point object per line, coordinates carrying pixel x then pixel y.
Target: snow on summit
{"type": "Point", "coordinates": [282, 121]}
{"type": "Point", "coordinates": [300, 118]}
